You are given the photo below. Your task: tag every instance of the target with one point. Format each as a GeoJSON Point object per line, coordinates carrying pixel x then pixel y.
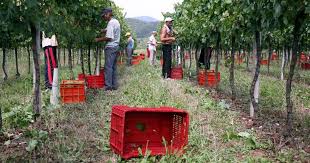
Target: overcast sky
{"type": "Point", "coordinates": [152, 8]}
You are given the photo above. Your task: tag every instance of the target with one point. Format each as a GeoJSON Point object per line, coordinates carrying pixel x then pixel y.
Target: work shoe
{"type": "Point", "coordinates": [167, 79]}
{"type": "Point", "coordinates": [108, 89]}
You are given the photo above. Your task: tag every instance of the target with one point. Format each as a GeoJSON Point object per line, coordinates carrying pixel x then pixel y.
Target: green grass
{"type": "Point", "coordinates": [272, 90]}
{"type": "Point", "coordinates": [217, 134]}
{"type": "Point", "coordinates": [302, 76]}
{"type": "Point", "coordinates": [15, 92]}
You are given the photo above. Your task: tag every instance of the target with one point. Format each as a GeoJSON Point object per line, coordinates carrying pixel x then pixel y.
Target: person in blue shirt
{"type": "Point", "coordinates": [129, 48]}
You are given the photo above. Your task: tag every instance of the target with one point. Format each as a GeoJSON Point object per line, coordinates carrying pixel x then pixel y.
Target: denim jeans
{"type": "Point", "coordinates": [110, 66]}
{"type": "Point", "coordinates": [129, 52]}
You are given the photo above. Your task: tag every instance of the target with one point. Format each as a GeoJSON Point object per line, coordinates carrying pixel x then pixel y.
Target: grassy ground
{"type": "Point", "coordinates": [272, 90]}
{"type": "Point", "coordinates": [272, 105]}
{"type": "Point", "coordinates": [218, 131]}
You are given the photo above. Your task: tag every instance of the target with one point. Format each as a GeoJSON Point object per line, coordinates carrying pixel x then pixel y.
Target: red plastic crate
{"type": "Point", "coordinates": [201, 78]}
{"type": "Point", "coordinates": [135, 61]}
{"type": "Point", "coordinates": [177, 73]}
{"type": "Point", "coordinates": [274, 57]}
{"type": "Point", "coordinates": [303, 57]}
{"type": "Point", "coordinates": [142, 56]}
{"type": "Point", "coordinates": [81, 76]}
{"type": "Point", "coordinates": [148, 128]}
{"type": "Point", "coordinates": [210, 75]}
{"type": "Point", "coordinates": [187, 55]}
{"type": "Point", "coordinates": [102, 71]}
{"type": "Point", "coordinates": [239, 60]}
{"type": "Point", "coordinates": [94, 81]}
{"type": "Point", "coordinates": [120, 62]}
{"type": "Point", "coordinates": [72, 91]}
{"type": "Point", "coordinates": [264, 62]}
{"type": "Point", "coordinates": [212, 78]}
{"type": "Point", "coordinates": [305, 66]}
{"type": "Point", "coordinates": [136, 57]}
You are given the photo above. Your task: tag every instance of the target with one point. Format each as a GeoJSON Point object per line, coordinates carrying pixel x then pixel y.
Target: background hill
{"type": "Point", "coordinates": [142, 26]}
{"type": "Point", "coordinates": [146, 19]}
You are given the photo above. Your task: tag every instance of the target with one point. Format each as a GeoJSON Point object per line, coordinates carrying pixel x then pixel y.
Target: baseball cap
{"type": "Point", "coordinates": [128, 34]}
{"type": "Point", "coordinates": [168, 19]}
{"type": "Point", "coordinates": [105, 11]}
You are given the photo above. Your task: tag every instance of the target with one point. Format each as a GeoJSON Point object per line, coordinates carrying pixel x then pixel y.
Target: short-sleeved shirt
{"type": "Point", "coordinates": [130, 43]}
{"type": "Point", "coordinates": [152, 43]}
{"type": "Point", "coordinates": [114, 33]}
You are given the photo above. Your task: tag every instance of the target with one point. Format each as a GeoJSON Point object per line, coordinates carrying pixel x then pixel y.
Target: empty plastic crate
{"type": "Point", "coordinates": [158, 130]}
{"type": "Point", "coordinates": [212, 78]}
{"type": "Point", "coordinates": [274, 57]}
{"type": "Point", "coordinates": [81, 76]}
{"type": "Point", "coordinates": [303, 58]}
{"type": "Point", "coordinates": [142, 56]}
{"type": "Point", "coordinates": [210, 75]}
{"type": "Point", "coordinates": [72, 91]}
{"type": "Point", "coordinates": [239, 60]}
{"type": "Point", "coordinates": [136, 57]}
{"type": "Point", "coordinates": [187, 55]}
{"type": "Point", "coordinates": [120, 62]}
{"type": "Point", "coordinates": [264, 62]}
{"type": "Point", "coordinates": [95, 81]}
{"type": "Point", "coordinates": [177, 73]}
{"type": "Point", "coordinates": [102, 71]}
{"type": "Point", "coordinates": [135, 61]}
{"type": "Point", "coordinates": [305, 66]}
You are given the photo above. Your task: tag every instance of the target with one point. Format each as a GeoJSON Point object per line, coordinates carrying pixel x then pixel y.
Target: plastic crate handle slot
{"type": "Point", "coordinates": [140, 126]}
{"type": "Point", "coordinates": [69, 86]}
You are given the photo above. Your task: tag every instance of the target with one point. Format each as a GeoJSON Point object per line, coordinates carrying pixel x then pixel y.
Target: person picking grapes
{"type": "Point", "coordinates": [112, 37]}
{"type": "Point", "coordinates": [167, 39]}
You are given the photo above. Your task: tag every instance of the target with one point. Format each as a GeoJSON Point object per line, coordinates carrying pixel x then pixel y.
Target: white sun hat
{"type": "Point", "coordinates": [168, 19]}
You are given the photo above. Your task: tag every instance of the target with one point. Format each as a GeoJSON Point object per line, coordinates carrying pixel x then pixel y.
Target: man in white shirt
{"type": "Point", "coordinates": [112, 37]}
{"type": "Point", "coordinates": [152, 47]}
